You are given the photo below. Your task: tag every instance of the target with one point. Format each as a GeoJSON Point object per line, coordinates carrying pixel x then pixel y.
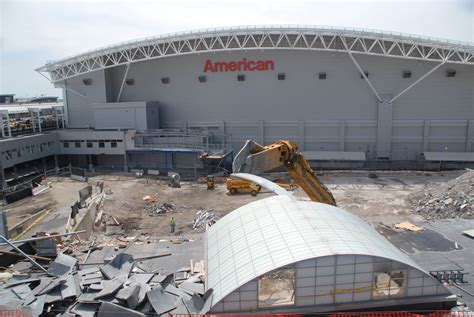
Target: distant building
{"type": "Point", "coordinates": [7, 98]}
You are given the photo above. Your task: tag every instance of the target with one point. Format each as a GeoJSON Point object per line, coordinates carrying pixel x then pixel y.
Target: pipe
{"type": "Point", "coordinates": [42, 238]}
{"type": "Point", "coordinates": [24, 254]}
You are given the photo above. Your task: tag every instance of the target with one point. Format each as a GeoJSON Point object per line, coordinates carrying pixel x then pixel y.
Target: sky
{"type": "Point", "coordinates": [35, 31]}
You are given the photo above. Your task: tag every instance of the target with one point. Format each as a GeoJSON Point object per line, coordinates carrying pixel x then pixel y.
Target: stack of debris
{"type": "Point", "coordinates": [204, 218]}
{"type": "Point", "coordinates": [453, 199]}
{"type": "Point", "coordinates": [122, 287]}
{"type": "Point", "coordinates": [159, 210]}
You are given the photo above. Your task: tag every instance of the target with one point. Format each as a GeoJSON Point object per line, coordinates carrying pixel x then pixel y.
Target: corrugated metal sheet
{"type": "Point", "coordinates": [273, 232]}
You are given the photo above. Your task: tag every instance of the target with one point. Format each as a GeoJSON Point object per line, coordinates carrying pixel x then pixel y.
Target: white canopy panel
{"type": "Point", "coordinates": [277, 231]}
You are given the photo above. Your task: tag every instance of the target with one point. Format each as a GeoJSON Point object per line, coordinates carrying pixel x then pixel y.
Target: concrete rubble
{"type": "Point", "coordinates": [453, 199]}
{"type": "Point", "coordinates": [122, 285]}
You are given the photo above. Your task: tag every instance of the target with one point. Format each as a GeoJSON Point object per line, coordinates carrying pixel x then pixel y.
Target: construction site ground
{"type": "Point", "coordinates": [381, 200]}
{"type": "Point", "coordinates": [376, 200]}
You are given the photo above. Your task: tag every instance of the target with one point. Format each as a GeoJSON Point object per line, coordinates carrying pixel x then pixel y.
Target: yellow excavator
{"type": "Point", "coordinates": [254, 158]}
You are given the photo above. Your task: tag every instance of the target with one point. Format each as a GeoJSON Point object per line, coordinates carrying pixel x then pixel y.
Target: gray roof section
{"type": "Point", "coordinates": [273, 232]}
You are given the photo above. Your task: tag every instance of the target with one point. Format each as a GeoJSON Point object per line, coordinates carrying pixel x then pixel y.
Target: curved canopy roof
{"type": "Point", "coordinates": [372, 42]}
{"type": "Point", "coordinates": [273, 232]}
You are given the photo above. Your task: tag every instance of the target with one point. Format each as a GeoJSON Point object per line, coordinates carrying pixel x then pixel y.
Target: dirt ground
{"type": "Point", "coordinates": [380, 200]}
{"type": "Point", "coordinates": [63, 192]}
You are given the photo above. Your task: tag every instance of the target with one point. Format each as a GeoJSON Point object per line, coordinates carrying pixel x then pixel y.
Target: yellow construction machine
{"type": "Point", "coordinates": [255, 159]}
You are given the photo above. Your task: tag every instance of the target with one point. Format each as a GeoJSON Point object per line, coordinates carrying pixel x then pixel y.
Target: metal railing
{"type": "Point", "coordinates": [179, 139]}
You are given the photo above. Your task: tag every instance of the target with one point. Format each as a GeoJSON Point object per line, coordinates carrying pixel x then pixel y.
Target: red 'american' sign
{"type": "Point", "coordinates": [243, 65]}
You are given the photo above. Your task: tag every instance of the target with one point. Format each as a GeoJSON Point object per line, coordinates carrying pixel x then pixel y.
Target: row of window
{"type": "Point", "coordinates": [280, 76]}
{"type": "Point", "coordinates": [90, 143]}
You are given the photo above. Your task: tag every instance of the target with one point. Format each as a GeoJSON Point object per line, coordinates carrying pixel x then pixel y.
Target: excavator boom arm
{"type": "Point", "coordinates": [254, 158]}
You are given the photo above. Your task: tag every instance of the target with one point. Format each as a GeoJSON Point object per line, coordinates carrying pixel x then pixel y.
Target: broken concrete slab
{"type": "Point", "coordinates": [181, 308]}
{"type": "Point", "coordinates": [23, 292]}
{"type": "Point", "coordinates": [92, 276]}
{"type": "Point", "coordinates": [177, 292]}
{"type": "Point", "coordinates": [109, 309]}
{"type": "Point", "coordinates": [207, 297]}
{"type": "Point", "coordinates": [469, 233]}
{"type": "Point", "coordinates": [85, 310]}
{"type": "Point", "coordinates": [46, 285]}
{"type": "Point", "coordinates": [129, 294]}
{"type": "Point", "coordinates": [37, 306]}
{"type": "Point", "coordinates": [161, 301]}
{"type": "Point", "coordinates": [110, 287]}
{"type": "Point", "coordinates": [62, 265]}
{"type": "Point", "coordinates": [14, 282]}
{"type": "Point", "coordinates": [141, 277]}
{"type": "Point", "coordinates": [91, 281]}
{"type": "Point", "coordinates": [121, 265]}
{"type": "Point", "coordinates": [87, 271]}
{"type": "Point", "coordinates": [195, 304]}
{"type": "Point", "coordinates": [144, 289]}
{"type": "Point", "coordinates": [69, 288]}
{"type": "Point", "coordinates": [96, 287]}
{"type": "Point", "coordinates": [192, 288]}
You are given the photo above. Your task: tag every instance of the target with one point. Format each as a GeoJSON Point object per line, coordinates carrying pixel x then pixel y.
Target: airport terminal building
{"type": "Point", "coordinates": [348, 98]}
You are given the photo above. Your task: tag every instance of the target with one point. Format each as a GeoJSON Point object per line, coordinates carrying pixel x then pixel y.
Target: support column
{"type": "Point", "coordinates": [3, 183]}
{"type": "Point", "coordinates": [301, 135]}
{"type": "Point", "coordinates": [3, 127]}
{"type": "Point", "coordinates": [44, 166]}
{"type": "Point", "coordinates": [56, 165]}
{"type": "Point", "coordinates": [384, 128]}
{"type": "Point", "coordinates": [39, 122]}
{"type": "Point", "coordinates": [57, 118]}
{"type": "Point", "coordinates": [224, 134]}
{"type": "Point", "coordinates": [470, 135]}
{"type": "Point", "coordinates": [426, 135]}
{"type": "Point", "coordinates": [125, 163]}
{"type": "Point", "coordinates": [8, 125]}
{"type": "Point", "coordinates": [342, 135]}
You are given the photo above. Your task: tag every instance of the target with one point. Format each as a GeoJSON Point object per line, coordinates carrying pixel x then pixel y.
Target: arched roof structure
{"type": "Point", "coordinates": [336, 39]}
{"type": "Point", "coordinates": [278, 231]}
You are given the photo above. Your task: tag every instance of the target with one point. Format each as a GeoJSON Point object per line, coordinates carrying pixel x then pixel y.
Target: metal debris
{"type": "Point", "coordinates": [204, 218]}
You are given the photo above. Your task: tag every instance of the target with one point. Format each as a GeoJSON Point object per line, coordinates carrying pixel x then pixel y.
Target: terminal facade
{"type": "Point", "coordinates": [348, 98]}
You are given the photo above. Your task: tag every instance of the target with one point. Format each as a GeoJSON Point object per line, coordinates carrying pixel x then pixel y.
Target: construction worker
{"type": "Point", "coordinates": [172, 224]}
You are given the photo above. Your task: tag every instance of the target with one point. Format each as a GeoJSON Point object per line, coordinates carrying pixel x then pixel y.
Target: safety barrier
{"type": "Point", "coordinates": [14, 313]}
{"type": "Point", "coordinates": [349, 314]}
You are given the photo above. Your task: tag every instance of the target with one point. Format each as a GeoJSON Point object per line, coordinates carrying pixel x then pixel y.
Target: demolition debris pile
{"type": "Point", "coordinates": [122, 286]}
{"type": "Point", "coordinates": [453, 199]}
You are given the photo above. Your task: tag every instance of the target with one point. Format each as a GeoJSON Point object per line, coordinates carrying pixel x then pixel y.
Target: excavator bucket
{"type": "Point", "coordinates": [242, 163]}
{"type": "Point", "coordinates": [256, 159]}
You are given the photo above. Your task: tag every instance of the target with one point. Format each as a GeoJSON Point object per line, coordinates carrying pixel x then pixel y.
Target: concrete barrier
{"type": "Point", "coordinates": [86, 217]}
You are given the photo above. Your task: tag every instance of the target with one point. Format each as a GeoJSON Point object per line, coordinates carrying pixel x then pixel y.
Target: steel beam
{"type": "Point", "coordinates": [366, 79]}
{"type": "Point", "coordinates": [416, 82]}
{"type": "Point", "coordinates": [123, 82]}
{"type": "Point", "coordinates": [71, 90]}
{"type": "Point", "coordinates": [261, 38]}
